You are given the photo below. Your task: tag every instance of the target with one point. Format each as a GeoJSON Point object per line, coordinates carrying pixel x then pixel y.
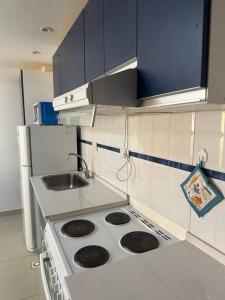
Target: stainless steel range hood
{"type": "Point", "coordinates": [119, 89]}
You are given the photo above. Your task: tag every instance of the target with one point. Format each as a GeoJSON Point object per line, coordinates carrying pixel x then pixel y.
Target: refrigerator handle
{"type": "Point", "coordinates": [23, 136]}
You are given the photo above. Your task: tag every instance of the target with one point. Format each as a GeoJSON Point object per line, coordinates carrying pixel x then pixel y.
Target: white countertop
{"type": "Point", "coordinates": [59, 204]}
{"type": "Point", "coordinates": [176, 272]}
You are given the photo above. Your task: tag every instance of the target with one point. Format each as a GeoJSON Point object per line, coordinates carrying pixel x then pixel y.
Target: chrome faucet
{"type": "Point", "coordinates": [86, 171]}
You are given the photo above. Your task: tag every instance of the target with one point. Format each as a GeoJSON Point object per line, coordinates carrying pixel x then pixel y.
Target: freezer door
{"type": "Point", "coordinates": [24, 145]}
{"type": "Point", "coordinates": [27, 206]}
{"type": "Point", "coordinates": [49, 148]}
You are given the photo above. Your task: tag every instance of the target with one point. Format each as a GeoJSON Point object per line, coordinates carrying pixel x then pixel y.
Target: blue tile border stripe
{"type": "Point", "coordinates": [85, 142]}
{"type": "Point", "coordinates": [214, 174]}
{"type": "Point", "coordinates": [169, 163]}
{"type": "Point", "coordinates": [114, 149]}
{"type": "Point", "coordinates": [110, 148]}
{"type": "Point", "coordinates": [162, 161]}
{"type": "Point", "coordinates": [177, 165]}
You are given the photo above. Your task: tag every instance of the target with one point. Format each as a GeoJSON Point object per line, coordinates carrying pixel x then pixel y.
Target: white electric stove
{"type": "Point", "coordinates": [88, 241]}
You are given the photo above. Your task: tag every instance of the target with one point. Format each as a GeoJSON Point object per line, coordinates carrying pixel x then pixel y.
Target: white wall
{"type": "Point", "coordinates": [10, 117]}
{"type": "Point", "coordinates": [37, 86]}
{"type": "Point", "coordinates": [156, 188]}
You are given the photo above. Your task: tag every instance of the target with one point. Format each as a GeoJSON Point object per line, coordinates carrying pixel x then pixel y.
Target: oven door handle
{"type": "Point", "coordinates": [44, 259]}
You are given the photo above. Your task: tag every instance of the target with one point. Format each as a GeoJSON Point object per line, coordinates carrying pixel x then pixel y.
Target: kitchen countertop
{"type": "Point", "coordinates": [60, 204]}
{"type": "Point", "coordinates": [177, 272]}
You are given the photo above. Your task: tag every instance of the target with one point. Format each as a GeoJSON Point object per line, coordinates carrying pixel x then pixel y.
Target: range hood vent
{"type": "Point", "coordinates": [119, 89]}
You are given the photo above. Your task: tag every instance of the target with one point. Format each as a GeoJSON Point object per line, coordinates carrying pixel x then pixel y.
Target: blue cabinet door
{"type": "Point", "coordinates": [68, 61]}
{"type": "Point", "coordinates": [94, 47]}
{"type": "Point", "coordinates": [120, 24]}
{"type": "Point", "coordinates": [57, 79]}
{"type": "Point", "coordinates": [172, 45]}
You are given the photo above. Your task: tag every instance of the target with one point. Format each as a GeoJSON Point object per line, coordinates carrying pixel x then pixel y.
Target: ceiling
{"type": "Point", "coordinates": [20, 22]}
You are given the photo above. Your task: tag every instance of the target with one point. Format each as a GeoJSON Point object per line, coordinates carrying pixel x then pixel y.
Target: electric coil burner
{"type": "Point", "coordinates": [117, 218]}
{"type": "Point", "coordinates": [91, 256]}
{"type": "Point", "coordinates": [78, 228]}
{"type": "Point", "coordinates": [102, 237]}
{"type": "Point", "coordinates": [78, 244]}
{"type": "Point", "coordinates": [139, 241]}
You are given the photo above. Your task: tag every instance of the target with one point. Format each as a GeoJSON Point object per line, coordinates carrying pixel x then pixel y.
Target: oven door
{"type": "Point", "coordinates": [49, 279]}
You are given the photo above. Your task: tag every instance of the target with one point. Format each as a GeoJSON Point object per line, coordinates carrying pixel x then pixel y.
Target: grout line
{"type": "Point", "coordinates": [10, 213]}
{"type": "Point", "coordinates": [16, 258]}
{"type": "Point", "coordinates": [194, 116]}
{"type": "Point", "coordinates": [6, 235]}
{"type": "Point", "coordinates": [194, 136]}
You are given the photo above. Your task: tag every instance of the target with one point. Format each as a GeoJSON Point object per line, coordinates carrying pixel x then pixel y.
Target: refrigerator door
{"type": "Point", "coordinates": [49, 148]}
{"type": "Point", "coordinates": [23, 137]}
{"type": "Point", "coordinates": [27, 206]}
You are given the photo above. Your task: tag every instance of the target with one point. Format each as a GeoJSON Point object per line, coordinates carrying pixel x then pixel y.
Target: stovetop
{"type": "Point", "coordinates": [108, 235]}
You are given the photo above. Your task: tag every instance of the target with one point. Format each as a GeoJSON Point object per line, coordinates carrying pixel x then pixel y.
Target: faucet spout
{"type": "Point", "coordinates": [86, 171]}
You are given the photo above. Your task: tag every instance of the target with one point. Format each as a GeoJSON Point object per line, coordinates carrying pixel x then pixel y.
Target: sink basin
{"type": "Point", "coordinates": [61, 182]}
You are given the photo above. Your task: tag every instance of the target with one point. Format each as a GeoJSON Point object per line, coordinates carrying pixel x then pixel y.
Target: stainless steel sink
{"type": "Point", "coordinates": [61, 182]}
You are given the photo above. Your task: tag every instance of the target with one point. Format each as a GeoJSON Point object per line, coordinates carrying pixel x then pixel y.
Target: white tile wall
{"type": "Point", "coordinates": [177, 137]}
{"type": "Point", "coordinates": [140, 133]}
{"type": "Point", "coordinates": [168, 136]}
{"type": "Point", "coordinates": [87, 154]}
{"type": "Point", "coordinates": [108, 131]}
{"type": "Point", "coordinates": [178, 210]}
{"type": "Point", "coordinates": [210, 228]}
{"type": "Point", "coordinates": [209, 134]}
{"type": "Point", "coordinates": [210, 128]}
{"type": "Point", "coordinates": [161, 135]}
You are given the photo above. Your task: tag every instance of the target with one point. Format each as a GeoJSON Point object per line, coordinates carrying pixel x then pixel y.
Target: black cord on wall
{"type": "Point", "coordinates": [79, 149]}
{"type": "Point", "coordinates": [22, 93]}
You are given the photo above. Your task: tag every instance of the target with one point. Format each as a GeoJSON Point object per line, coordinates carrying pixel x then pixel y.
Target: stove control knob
{"type": "Point", "coordinates": [51, 271]}
{"type": "Point", "coordinates": [53, 279]}
{"type": "Point", "coordinates": [66, 99]}
{"type": "Point", "coordinates": [59, 296]}
{"type": "Point", "coordinates": [56, 288]}
{"type": "Point", "coordinates": [71, 98]}
{"type": "Point", "coordinates": [43, 243]}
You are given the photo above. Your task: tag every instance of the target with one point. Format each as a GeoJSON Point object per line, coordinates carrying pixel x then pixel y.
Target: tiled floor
{"type": "Point", "coordinates": [18, 281]}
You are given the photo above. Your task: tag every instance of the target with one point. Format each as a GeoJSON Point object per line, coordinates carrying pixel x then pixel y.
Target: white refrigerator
{"type": "Point", "coordinates": [43, 150]}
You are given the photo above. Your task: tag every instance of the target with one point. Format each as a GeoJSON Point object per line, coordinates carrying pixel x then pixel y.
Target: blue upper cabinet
{"type": "Point", "coordinates": [120, 23]}
{"type": "Point", "coordinates": [172, 45]}
{"type": "Point", "coordinates": [57, 79]}
{"type": "Point", "coordinates": [94, 37]}
{"type": "Point", "coordinates": [68, 61]}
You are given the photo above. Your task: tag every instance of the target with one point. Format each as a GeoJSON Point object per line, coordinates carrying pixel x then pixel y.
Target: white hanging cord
{"type": "Point", "coordinates": [131, 170]}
